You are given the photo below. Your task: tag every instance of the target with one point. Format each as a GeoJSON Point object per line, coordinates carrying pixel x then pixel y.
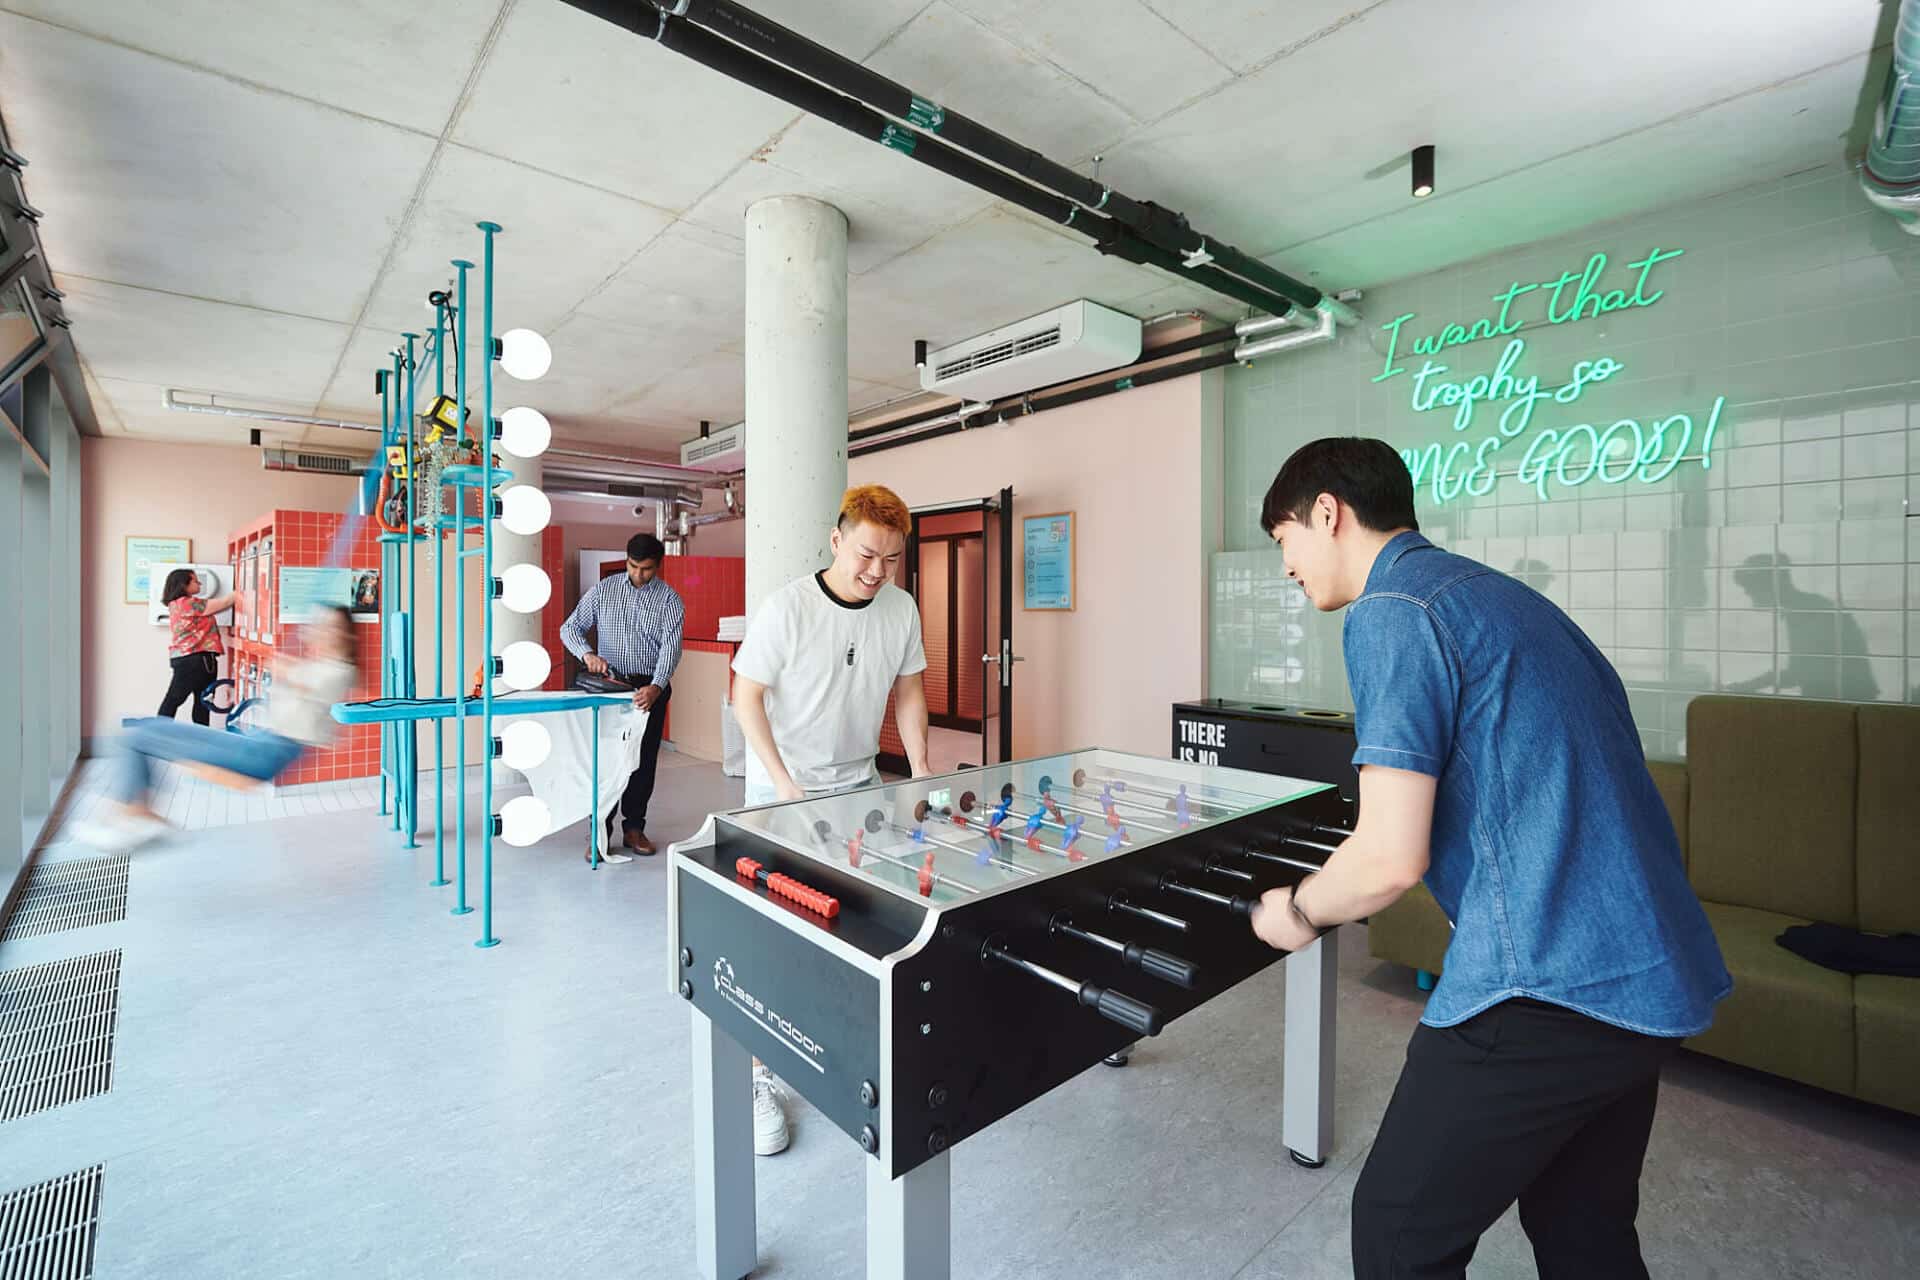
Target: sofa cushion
{"type": "Point", "coordinates": [1887, 861]}
{"type": "Point", "coordinates": [1770, 805]}
{"type": "Point", "coordinates": [1886, 1015]}
{"type": "Point", "coordinates": [1413, 931]}
{"type": "Point", "coordinates": [1671, 779]}
{"type": "Point", "coordinates": [1785, 1015]}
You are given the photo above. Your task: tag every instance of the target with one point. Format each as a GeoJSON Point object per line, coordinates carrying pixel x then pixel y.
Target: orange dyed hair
{"type": "Point", "coordinates": [874, 504]}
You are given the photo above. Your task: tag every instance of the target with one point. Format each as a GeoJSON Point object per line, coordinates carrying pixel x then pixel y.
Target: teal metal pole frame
{"type": "Point", "coordinates": [410, 779]}
{"type": "Point", "coordinates": [440, 626]}
{"type": "Point", "coordinates": [460, 609]}
{"type": "Point", "coordinates": [393, 752]}
{"type": "Point", "coordinates": [380, 460]}
{"type": "Point", "coordinates": [491, 229]}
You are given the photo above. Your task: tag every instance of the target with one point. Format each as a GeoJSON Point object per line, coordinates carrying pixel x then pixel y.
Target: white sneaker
{"type": "Point", "coordinates": [769, 1114]}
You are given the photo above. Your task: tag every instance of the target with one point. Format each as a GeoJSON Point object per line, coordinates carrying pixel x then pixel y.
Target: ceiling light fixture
{"type": "Point", "coordinates": [1423, 171]}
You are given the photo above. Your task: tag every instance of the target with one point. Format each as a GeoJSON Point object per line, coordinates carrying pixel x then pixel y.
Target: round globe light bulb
{"type": "Point", "coordinates": [525, 820]}
{"type": "Point", "coordinates": [525, 588]}
{"type": "Point", "coordinates": [525, 432]}
{"type": "Point", "coordinates": [525, 744]}
{"type": "Point", "coordinates": [526, 665]}
{"type": "Point", "coordinates": [524, 354]}
{"type": "Point", "coordinates": [525, 510]}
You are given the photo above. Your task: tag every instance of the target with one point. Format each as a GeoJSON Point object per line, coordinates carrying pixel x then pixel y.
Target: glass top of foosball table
{"type": "Point", "coordinates": [957, 836]}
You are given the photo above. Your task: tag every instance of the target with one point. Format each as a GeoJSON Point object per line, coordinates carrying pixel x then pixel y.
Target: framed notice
{"type": "Point", "coordinates": [1047, 560]}
{"type": "Point", "coordinates": [143, 553]}
{"type": "Point", "coordinates": [303, 590]}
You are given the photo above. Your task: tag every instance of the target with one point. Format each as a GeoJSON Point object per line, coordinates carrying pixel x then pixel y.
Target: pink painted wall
{"type": "Point", "coordinates": [1139, 470]}
{"type": "Point", "coordinates": [132, 487]}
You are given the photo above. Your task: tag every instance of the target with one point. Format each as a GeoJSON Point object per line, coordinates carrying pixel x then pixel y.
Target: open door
{"type": "Point", "coordinates": [958, 568]}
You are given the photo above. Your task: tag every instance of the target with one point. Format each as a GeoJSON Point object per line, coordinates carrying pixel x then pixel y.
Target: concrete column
{"type": "Point", "coordinates": [796, 270]}
{"type": "Point", "coordinates": [509, 549]}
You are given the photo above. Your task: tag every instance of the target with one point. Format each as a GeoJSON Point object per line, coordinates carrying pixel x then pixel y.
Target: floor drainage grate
{"type": "Point", "coordinates": [70, 895]}
{"type": "Point", "coordinates": [56, 1032]}
{"type": "Point", "coordinates": [47, 1230]}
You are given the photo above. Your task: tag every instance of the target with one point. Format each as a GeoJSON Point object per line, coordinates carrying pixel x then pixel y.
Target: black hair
{"type": "Point", "coordinates": [1367, 475]}
{"type": "Point", "coordinates": [176, 585]}
{"type": "Point", "coordinates": [644, 546]}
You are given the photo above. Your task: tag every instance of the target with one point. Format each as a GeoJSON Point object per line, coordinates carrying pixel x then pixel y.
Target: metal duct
{"type": "Point", "coordinates": [1321, 332]}
{"type": "Point", "coordinates": [1891, 174]}
{"type": "Point", "coordinates": [168, 401]}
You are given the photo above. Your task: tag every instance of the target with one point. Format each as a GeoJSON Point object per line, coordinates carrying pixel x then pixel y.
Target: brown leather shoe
{"type": "Point", "coordinates": [637, 842]}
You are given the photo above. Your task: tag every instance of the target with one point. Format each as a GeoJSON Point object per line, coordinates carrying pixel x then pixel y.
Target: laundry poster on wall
{"type": "Point", "coordinates": [1047, 560]}
{"type": "Point", "coordinates": [304, 590]}
{"type": "Point", "coordinates": [143, 553]}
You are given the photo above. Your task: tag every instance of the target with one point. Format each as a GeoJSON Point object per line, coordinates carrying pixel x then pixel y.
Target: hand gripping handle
{"type": "Point", "coordinates": [1135, 1015]}
{"type": "Point", "coordinates": [1160, 964]}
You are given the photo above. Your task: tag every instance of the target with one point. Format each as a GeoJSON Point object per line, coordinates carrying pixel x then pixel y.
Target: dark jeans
{"type": "Point", "coordinates": [633, 801]}
{"type": "Point", "coordinates": [191, 676]}
{"type": "Point", "coordinates": [1525, 1101]}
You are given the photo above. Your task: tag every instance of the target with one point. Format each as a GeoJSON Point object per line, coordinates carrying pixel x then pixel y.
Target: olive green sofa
{"type": "Point", "coordinates": [1788, 811]}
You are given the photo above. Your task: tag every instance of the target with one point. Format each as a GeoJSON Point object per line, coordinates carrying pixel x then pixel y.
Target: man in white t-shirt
{"type": "Point", "coordinates": [811, 682]}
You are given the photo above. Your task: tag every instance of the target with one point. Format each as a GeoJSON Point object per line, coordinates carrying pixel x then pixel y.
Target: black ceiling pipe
{"type": "Point", "coordinates": [1178, 347]}
{"type": "Point", "coordinates": [734, 58]}
{"type": "Point", "coordinates": [1160, 226]}
{"type": "Point", "coordinates": [1020, 406]}
{"type": "Point", "coordinates": [737, 63]}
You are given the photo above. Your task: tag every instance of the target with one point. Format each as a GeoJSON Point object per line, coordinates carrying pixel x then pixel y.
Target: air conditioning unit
{"type": "Point", "coordinates": [724, 449]}
{"type": "Point", "coordinates": [1075, 341]}
{"type": "Point", "coordinates": [326, 464]}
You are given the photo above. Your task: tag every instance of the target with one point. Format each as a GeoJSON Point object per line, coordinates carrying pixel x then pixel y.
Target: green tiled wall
{"type": "Point", "coordinates": [1786, 566]}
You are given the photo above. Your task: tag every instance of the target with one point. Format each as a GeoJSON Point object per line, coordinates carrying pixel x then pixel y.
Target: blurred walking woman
{"type": "Point", "coordinates": [193, 642]}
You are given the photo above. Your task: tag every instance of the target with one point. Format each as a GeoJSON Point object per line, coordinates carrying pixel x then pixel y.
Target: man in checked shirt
{"type": "Point", "coordinates": [638, 621]}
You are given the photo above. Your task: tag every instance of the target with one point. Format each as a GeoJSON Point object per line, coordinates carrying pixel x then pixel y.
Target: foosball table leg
{"type": "Point", "coordinates": [1306, 1118]}
{"type": "Point", "coordinates": [909, 1222]}
{"type": "Point", "coordinates": [724, 1241]}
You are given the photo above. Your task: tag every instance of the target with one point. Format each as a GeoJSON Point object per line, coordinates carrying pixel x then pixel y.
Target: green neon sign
{"type": "Point", "coordinates": [1555, 457]}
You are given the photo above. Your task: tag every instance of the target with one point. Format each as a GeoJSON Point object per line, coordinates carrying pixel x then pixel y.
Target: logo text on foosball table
{"type": "Point", "coordinates": [726, 982]}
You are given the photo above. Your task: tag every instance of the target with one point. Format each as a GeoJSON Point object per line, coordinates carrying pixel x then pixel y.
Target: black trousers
{"type": "Point", "coordinates": [633, 801]}
{"type": "Point", "coordinates": [191, 676]}
{"type": "Point", "coordinates": [1525, 1101]}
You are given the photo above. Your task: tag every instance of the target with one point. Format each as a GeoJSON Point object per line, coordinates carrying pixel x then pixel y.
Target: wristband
{"type": "Point", "coordinates": [1293, 905]}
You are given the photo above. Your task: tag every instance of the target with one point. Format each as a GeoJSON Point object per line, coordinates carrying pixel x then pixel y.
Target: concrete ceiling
{"type": "Point", "coordinates": [251, 198]}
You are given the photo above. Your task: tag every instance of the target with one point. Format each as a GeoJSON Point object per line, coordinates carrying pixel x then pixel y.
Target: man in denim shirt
{"type": "Point", "coordinates": [1498, 760]}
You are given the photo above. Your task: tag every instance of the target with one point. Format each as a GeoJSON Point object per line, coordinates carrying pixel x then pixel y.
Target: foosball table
{"type": "Point", "coordinates": [919, 960]}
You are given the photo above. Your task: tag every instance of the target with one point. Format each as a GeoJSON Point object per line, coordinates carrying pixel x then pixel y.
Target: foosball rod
{"type": "Point", "coordinates": [825, 832]}
{"type": "Point", "coordinates": [1121, 904]}
{"type": "Point", "coordinates": [1050, 786]}
{"type": "Point", "coordinates": [1032, 842]}
{"type": "Point", "coordinates": [1155, 964]}
{"type": "Point", "coordinates": [1135, 1015]}
{"type": "Point", "coordinates": [1281, 859]}
{"type": "Point", "coordinates": [1009, 789]}
{"type": "Point", "coordinates": [1119, 783]}
{"type": "Point", "coordinates": [877, 822]}
{"type": "Point", "coordinates": [1239, 906]}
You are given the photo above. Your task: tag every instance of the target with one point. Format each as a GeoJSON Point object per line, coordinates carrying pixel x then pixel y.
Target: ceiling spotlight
{"type": "Point", "coordinates": [1423, 171]}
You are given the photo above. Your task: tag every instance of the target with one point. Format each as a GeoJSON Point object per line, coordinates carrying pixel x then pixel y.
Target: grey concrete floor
{"type": "Point", "coordinates": [318, 1074]}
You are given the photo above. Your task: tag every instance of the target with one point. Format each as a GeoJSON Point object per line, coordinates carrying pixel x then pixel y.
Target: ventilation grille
{"type": "Point", "coordinates": [70, 895]}
{"type": "Point", "coordinates": [331, 464]}
{"type": "Point", "coordinates": [56, 1032]}
{"type": "Point", "coordinates": [999, 353]}
{"type": "Point", "coordinates": [47, 1230]}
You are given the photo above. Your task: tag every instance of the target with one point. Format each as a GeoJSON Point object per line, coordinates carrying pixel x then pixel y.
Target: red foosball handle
{"type": "Point", "coordinates": [787, 887]}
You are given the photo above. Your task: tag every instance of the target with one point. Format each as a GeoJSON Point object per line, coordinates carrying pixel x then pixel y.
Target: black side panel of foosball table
{"type": "Point", "coordinates": [996, 1039]}
{"type": "Point", "coordinates": [811, 1017]}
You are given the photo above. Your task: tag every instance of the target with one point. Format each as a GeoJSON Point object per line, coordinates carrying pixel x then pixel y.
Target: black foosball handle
{"type": "Point", "coordinates": [1136, 1015]}
{"type": "Point", "coordinates": [1115, 1006]}
{"type": "Point", "coordinates": [1161, 965]}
